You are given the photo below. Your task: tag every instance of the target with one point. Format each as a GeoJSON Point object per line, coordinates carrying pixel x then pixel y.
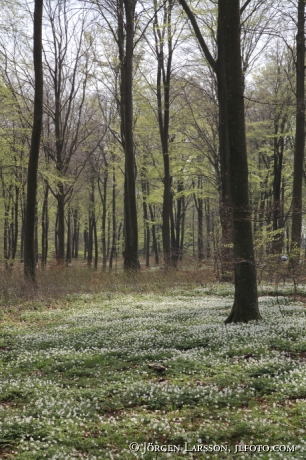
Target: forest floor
{"type": "Point", "coordinates": [152, 376]}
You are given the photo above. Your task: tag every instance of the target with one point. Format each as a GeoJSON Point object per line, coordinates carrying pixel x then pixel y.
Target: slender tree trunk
{"type": "Point", "coordinates": [208, 229]}
{"type": "Point", "coordinates": [29, 249]}
{"type": "Point", "coordinates": [172, 234]}
{"type": "Point", "coordinates": [198, 201]}
{"type": "Point", "coordinates": [77, 240]}
{"type": "Point", "coordinates": [193, 231]}
{"type": "Point", "coordinates": [44, 228]}
{"type": "Point", "coordinates": [6, 240]}
{"type": "Point", "coordinates": [178, 224]}
{"type": "Point", "coordinates": [96, 244]}
{"type": "Point", "coordinates": [145, 192]}
{"type": "Point", "coordinates": [120, 229]}
{"type": "Point", "coordinates": [108, 247]}
{"type": "Point", "coordinates": [278, 153]}
{"type": "Point", "coordinates": [299, 140]}
{"type": "Point", "coordinates": [60, 255]}
{"type": "Point", "coordinates": [76, 234]}
{"type": "Point", "coordinates": [90, 240]}
{"type": "Point", "coordinates": [163, 38]}
{"type": "Point", "coordinates": [245, 306]}
{"type": "Point", "coordinates": [85, 243]}
{"type": "Point", "coordinates": [103, 193]}
{"type": "Point", "coordinates": [114, 224]}
{"type": "Point", "coordinates": [68, 251]}
{"type": "Point", "coordinates": [154, 240]}
{"type": "Point", "coordinates": [182, 229]}
{"type": "Point", "coordinates": [16, 211]}
{"type": "Point", "coordinates": [91, 225]}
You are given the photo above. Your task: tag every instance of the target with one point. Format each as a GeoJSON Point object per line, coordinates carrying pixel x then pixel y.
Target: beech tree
{"type": "Point", "coordinates": [29, 250]}
{"type": "Point", "coordinates": [119, 15]}
{"type": "Point", "coordinates": [233, 154]}
{"type": "Point", "coordinates": [166, 37]}
{"type": "Point", "coordinates": [245, 306]}
{"type": "Point", "coordinates": [299, 138]}
{"type": "Point", "coordinates": [70, 116]}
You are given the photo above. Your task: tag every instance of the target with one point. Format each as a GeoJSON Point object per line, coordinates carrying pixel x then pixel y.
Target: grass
{"type": "Point", "coordinates": [75, 381]}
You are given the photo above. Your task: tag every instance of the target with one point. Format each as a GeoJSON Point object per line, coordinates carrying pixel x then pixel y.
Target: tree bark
{"type": "Point", "coordinates": [60, 197]}
{"type": "Point", "coordinates": [114, 224]}
{"type": "Point", "coordinates": [163, 35]}
{"type": "Point", "coordinates": [208, 229]}
{"type": "Point", "coordinates": [278, 153]}
{"type": "Point", "coordinates": [68, 250]}
{"type": "Point", "coordinates": [103, 196]}
{"type": "Point", "coordinates": [44, 228]}
{"type": "Point", "coordinates": [154, 239]}
{"type": "Point", "coordinates": [245, 306]}
{"type": "Point", "coordinates": [130, 207]}
{"type": "Point", "coordinates": [29, 248]}
{"type": "Point", "coordinates": [299, 140]}
{"type": "Point", "coordinates": [145, 193]}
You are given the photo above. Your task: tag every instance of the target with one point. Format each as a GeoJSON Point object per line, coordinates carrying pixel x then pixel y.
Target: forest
{"type": "Point", "coordinates": [152, 230]}
{"type": "Point", "coordinates": [134, 152]}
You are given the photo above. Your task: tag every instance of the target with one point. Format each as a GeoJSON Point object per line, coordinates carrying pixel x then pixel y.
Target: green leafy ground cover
{"type": "Point", "coordinates": [75, 381]}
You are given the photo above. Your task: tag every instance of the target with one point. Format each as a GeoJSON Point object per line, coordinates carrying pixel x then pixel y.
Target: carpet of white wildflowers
{"type": "Point", "coordinates": [75, 381]}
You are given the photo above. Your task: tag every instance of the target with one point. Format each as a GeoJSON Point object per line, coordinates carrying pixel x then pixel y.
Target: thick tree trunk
{"type": "Point", "coordinates": [245, 306]}
{"type": "Point", "coordinates": [299, 140]}
{"type": "Point", "coordinates": [22, 231]}
{"type": "Point", "coordinates": [36, 237]}
{"type": "Point", "coordinates": [29, 248]}
{"type": "Point", "coordinates": [225, 213]}
{"type": "Point", "coordinates": [130, 206]}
